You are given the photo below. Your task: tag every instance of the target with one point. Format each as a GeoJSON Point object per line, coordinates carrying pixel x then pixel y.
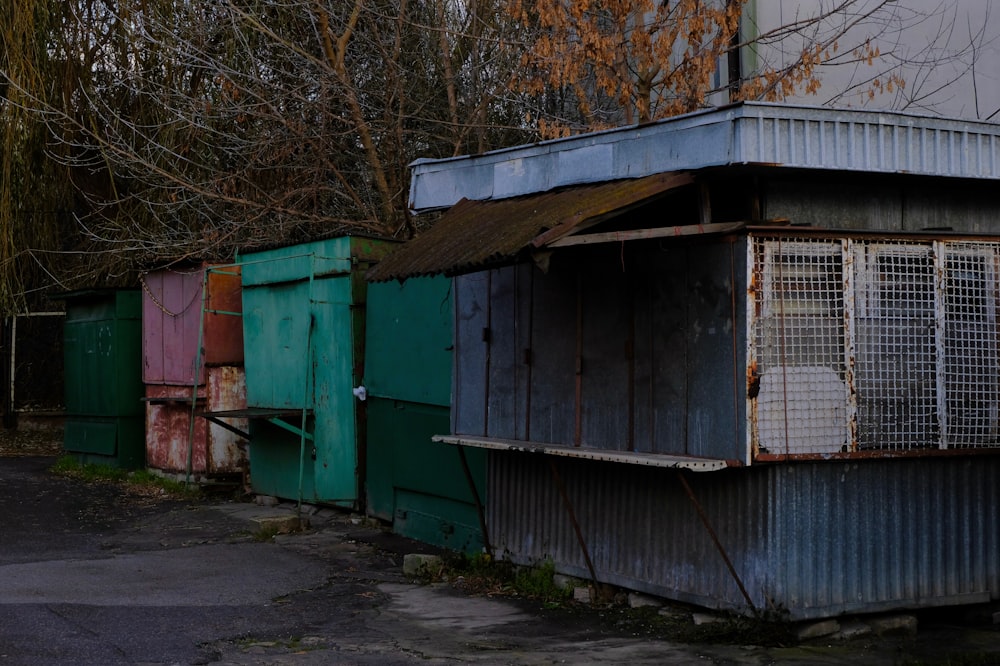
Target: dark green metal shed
{"type": "Point", "coordinates": [418, 485]}
{"type": "Point", "coordinates": [103, 377]}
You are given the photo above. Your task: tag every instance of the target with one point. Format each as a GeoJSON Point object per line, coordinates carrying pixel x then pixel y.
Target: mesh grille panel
{"type": "Point", "coordinates": [873, 345]}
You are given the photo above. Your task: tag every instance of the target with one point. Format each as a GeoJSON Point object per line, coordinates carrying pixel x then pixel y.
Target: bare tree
{"type": "Point", "coordinates": [597, 64]}
{"type": "Point", "coordinates": [151, 131]}
{"type": "Point", "coordinates": [192, 129]}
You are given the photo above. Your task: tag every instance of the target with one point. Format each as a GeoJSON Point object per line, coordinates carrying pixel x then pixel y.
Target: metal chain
{"type": "Point", "coordinates": [156, 301]}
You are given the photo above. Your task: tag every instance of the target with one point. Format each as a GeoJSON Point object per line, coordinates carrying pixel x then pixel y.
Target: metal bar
{"type": "Point", "coordinates": [225, 312]}
{"type": "Point", "coordinates": [284, 425]}
{"type": "Point", "coordinates": [578, 366]}
{"type": "Point", "coordinates": [13, 361]}
{"type": "Point", "coordinates": [231, 428]}
{"type": "Point", "coordinates": [222, 272]}
{"type": "Point", "coordinates": [715, 540]}
{"type": "Point", "coordinates": [630, 352]}
{"type": "Point", "coordinates": [850, 342]}
{"type": "Point", "coordinates": [940, 297]}
{"type": "Point", "coordinates": [194, 381]}
{"type": "Point", "coordinates": [528, 360]}
{"type": "Point", "coordinates": [488, 342]}
{"type": "Point", "coordinates": [572, 517]}
{"type": "Point", "coordinates": [303, 436]}
{"type": "Point", "coordinates": [480, 511]}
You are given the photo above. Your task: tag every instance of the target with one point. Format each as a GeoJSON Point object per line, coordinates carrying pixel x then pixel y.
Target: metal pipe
{"type": "Point", "coordinates": [194, 380]}
{"type": "Point", "coordinates": [305, 397]}
{"type": "Point", "coordinates": [13, 364]}
{"type": "Point", "coordinates": [578, 366]}
{"type": "Point", "coordinates": [715, 539]}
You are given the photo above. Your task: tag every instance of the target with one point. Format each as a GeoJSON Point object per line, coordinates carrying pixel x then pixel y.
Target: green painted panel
{"type": "Point", "coordinates": [276, 332]}
{"type": "Point", "coordinates": [297, 262]}
{"type": "Point", "coordinates": [403, 463]}
{"type": "Point", "coordinates": [117, 442]}
{"type": "Point", "coordinates": [89, 364]}
{"type": "Point", "coordinates": [102, 354]}
{"type": "Point", "coordinates": [303, 327]}
{"type": "Point", "coordinates": [334, 403]}
{"type": "Point", "coordinates": [91, 436]}
{"type": "Point", "coordinates": [408, 346]}
{"type": "Point", "coordinates": [274, 463]}
{"type": "Point", "coordinates": [439, 521]}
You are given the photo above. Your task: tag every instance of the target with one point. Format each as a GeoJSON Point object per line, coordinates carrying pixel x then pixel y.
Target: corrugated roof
{"type": "Point", "coordinates": [776, 135]}
{"type": "Point", "coordinates": [476, 234]}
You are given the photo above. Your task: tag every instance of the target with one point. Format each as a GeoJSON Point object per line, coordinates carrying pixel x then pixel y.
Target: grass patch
{"type": "Point", "coordinates": [141, 482]}
{"type": "Point", "coordinates": [483, 574]}
{"type": "Point", "coordinates": [265, 533]}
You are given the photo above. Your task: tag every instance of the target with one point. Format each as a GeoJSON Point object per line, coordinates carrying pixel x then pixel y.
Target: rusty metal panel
{"type": "Point", "coordinates": [524, 280]}
{"type": "Point", "coordinates": [214, 450]}
{"type": "Point", "coordinates": [223, 343]}
{"type": "Point", "coordinates": [606, 359]}
{"type": "Point", "coordinates": [807, 540]}
{"type": "Point", "coordinates": [661, 341]}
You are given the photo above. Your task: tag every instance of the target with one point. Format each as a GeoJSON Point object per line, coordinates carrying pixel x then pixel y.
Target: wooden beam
{"type": "Point", "coordinates": [640, 234]}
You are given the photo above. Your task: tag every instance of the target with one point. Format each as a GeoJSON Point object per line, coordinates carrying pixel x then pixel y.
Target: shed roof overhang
{"type": "Point", "coordinates": [474, 235]}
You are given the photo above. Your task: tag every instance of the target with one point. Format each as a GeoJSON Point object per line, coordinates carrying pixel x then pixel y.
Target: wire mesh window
{"type": "Point", "coordinates": [800, 344]}
{"type": "Point", "coordinates": [970, 346]}
{"type": "Point", "coordinates": [874, 345]}
{"type": "Point", "coordinates": [895, 346]}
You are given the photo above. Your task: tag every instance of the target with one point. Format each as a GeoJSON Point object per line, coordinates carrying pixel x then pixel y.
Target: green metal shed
{"type": "Point", "coordinates": [303, 325]}
{"type": "Point", "coordinates": [418, 485]}
{"type": "Point", "coordinates": [103, 377]}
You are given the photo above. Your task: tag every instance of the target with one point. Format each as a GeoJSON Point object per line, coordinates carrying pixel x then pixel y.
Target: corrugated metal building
{"type": "Point", "coordinates": [746, 358]}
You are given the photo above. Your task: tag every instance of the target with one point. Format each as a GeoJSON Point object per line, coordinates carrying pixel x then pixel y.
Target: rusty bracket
{"type": "Point", "coordinates": [715, 539]}
{"type": "Point", "coordinates": [480, 512]}
{"type": "Point", "coordinates": [576, 524]}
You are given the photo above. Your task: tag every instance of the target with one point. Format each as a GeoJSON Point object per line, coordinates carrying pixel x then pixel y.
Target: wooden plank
{"type": "Point", "coordinates": [502, 380]}
{"type": "Point", "coordinates": [553, 376]}
{"type": "Point", "coordinates": [471, 353]}
{"type": "Point", "coordinates": [640, 234]}
{"type": "Point", "coordinates": [607, 325]}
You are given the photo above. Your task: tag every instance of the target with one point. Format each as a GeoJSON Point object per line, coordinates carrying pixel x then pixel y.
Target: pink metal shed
{"type": "Point", "coordinates": [192, 344]}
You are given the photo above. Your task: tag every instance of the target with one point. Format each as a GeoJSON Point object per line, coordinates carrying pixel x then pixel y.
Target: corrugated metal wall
{"type": "Point", "coordinates": [809, 539]}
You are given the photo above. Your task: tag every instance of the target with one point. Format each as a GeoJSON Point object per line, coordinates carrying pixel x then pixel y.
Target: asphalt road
{"type": "Point", "coordinates": [92, 575]}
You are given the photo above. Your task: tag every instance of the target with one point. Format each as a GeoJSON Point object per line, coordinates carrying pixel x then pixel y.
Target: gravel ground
{"type": "Point", "coordinates": [18, 443]}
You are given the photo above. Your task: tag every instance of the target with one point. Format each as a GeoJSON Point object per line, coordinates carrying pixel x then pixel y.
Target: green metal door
{"type": "Point", "coordinates": [417, 484]}
{"type": "Point", "coordinates": [303, 309]}
{"type": "Point", "coordinates": [103, 377]}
